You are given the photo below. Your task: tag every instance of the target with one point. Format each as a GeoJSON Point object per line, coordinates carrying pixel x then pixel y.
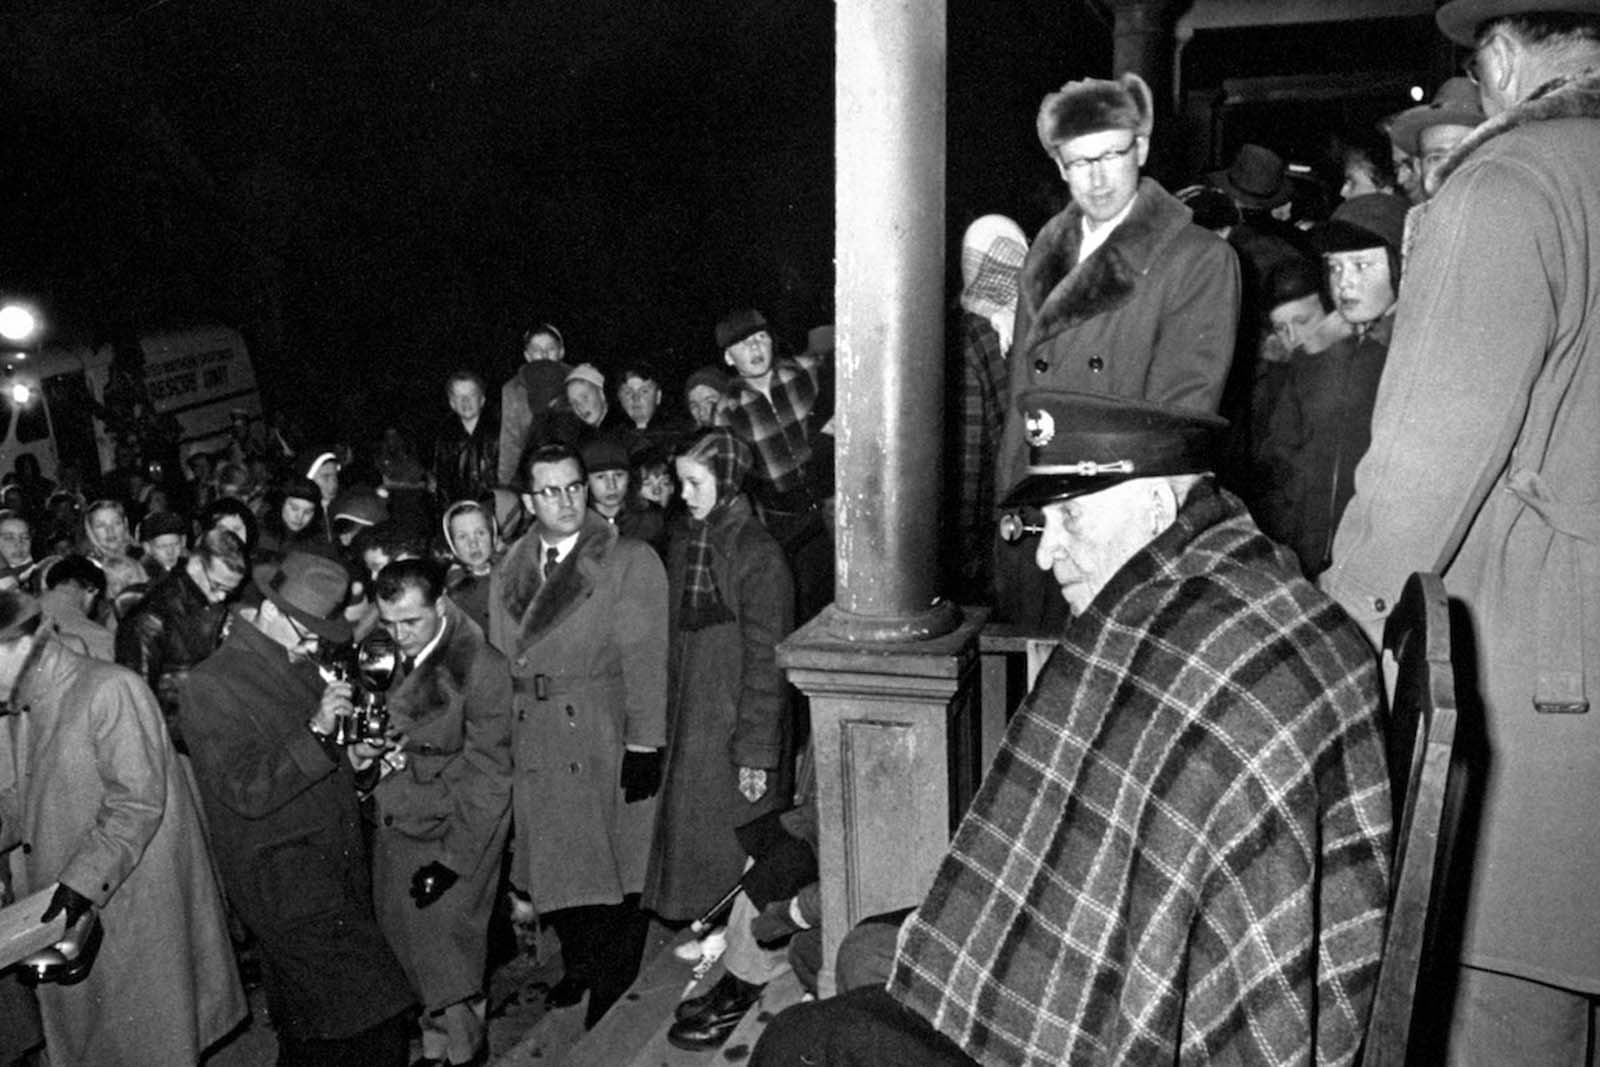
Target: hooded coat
{"type": "Point", "coordinates": [588, 651]}
{"type": "Point", "coordinates": [451, 804]}
{"type": "Point", "coordinates": [92, 795]}
{"type": "Point", "coordinates": [1485, 465]}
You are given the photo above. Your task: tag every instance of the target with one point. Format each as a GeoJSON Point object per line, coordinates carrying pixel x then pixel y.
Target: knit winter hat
{"type": "Point", "coordinates": [1366, 221]}
{"type": "Point", "coordinates": [1094, 105]}
{"type": "Point", "coordinates": [715, 377]}
{"type": "Point", "coordinates": [587, 372]}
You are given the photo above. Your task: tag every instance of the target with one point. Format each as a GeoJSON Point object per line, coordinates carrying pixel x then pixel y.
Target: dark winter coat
{"type": "Point", "coordinates": [466, 465]}
{"type": "Point", "coordinates": [450, 804]}
{"type": "Point", "coordinates": [171, 630]}
{"type": "Point", "coordinates": [1320, 430]}
{"type": "Point", "coordinates": [287, 837]}
{"type": "Point", "coordinates": [93, 793]}
{"type": "Point", "coordinates": [1150, 314]}
{"type": "Point", "coordinates": [728, 709]}
{"type": "Point", "coordinates": [588, 653]}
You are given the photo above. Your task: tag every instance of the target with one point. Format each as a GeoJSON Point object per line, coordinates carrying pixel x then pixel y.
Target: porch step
{"type": "Point", "coordinates": [634, 1032]}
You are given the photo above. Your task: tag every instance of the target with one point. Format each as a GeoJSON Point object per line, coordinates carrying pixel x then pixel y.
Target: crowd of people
{"type": "Point", "coordinates": [376, 696]}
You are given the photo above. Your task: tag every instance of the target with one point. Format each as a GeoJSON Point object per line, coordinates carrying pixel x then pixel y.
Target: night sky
{"type": "Point", "coordinates": [377, 192]}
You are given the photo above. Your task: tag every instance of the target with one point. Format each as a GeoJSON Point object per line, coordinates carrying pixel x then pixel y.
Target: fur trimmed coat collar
{"type": "Point", "coordinates": [1576, 96]}
{"type": "Point", "coordinates": [540, 605]}
{"type": "Point", "coordinates": [1067, 292]}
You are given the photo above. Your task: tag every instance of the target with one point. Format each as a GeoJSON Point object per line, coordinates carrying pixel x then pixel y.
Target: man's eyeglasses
{"type": "Point", "coordinates": [1079, 167]}
{"type": "Point", "coordinates": [552, 493]}
{"type": "Point", "coordinates": [1471, 66]}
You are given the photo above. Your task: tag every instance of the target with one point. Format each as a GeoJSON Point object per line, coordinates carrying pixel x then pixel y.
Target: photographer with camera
{"type": "Point", "coordinates": [444, 809]}
{"type": "Point", "coordinates": [281, 796]}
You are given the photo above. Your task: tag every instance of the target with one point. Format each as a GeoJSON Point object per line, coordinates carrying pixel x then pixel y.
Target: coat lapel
{"type": "Point", "coordinates": [1068, 292]}
{"type": "Point", "coordinates": [540, 606]}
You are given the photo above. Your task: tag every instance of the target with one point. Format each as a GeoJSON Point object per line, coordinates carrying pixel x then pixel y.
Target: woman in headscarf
{"type": "Point", "coordinates": [726, 761]}
{"type": "Point", "coordinates": [992, 252]}
{"type": "Point", "coordinates": [469, 531]}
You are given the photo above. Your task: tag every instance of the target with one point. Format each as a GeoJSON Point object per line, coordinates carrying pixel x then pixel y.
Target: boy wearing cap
{"type": "Point", "coordinates": [281, 802]}
{"type": "Point", "coordinates": [164, 536]}
{"type": "Point", "coordinates": [1323, 424]}
{"type": "Point", "coordinates": [1483, 467]}
{"type": "Point", "coordinates": [1121, 293]}
{"type": "Point", "coordinates": [1096, 904]}
{"type": "Point", "coordinates": [774, 405]}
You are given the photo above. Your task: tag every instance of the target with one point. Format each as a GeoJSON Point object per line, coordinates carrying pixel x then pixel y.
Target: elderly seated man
{"type": "Point", "coordinates": [1181, 851]}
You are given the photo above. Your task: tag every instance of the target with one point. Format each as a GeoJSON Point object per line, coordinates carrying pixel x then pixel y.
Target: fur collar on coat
{"type": "Point", "coordinates": [447, 672]}
{"type": "Point", "coordinates": [1576, 96]}
{"type": "Point", "coordinates": [1067, 292]}
{"type": "Point", "coordinates": [538, 605]}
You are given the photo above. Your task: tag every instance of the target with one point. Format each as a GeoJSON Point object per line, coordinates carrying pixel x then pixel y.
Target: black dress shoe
{"type": "Point", "coordinates": [566, 993]}
{"type": "Point", "coordinates": [727, 990]}
{"type": "Point", "coordinates": [723, 1007]}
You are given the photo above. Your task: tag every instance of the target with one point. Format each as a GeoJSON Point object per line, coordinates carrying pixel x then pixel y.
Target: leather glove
{"type": "Point", "coordinates": [774, 925]}
{"type": "Point", "coordinates": [68, 900]}
{"type": "Point", "coordinates": [641, 775]}
{"type": "Point", "coordinates": [430, 883]}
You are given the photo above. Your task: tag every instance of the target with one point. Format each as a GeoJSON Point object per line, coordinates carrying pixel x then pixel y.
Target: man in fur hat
{"type": "Point", "coordinates": [1483, 467]}
{"type": "Point", "coordinates": [1180, 852]}
{"type": "Point", "coordinates": [1120, 293]}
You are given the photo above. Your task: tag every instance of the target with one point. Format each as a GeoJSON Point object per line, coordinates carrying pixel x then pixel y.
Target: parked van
{"type": "Point", "coordinates": [52, 398]}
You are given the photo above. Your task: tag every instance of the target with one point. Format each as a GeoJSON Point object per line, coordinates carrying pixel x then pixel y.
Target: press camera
{"type": "Point", "coordinates": [369, 667]}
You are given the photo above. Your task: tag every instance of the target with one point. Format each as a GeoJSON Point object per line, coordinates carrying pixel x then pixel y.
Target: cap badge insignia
{"type": "Point", "coordinates": [1040, 428]}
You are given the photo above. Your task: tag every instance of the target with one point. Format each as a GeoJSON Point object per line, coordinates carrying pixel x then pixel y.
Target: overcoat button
{"type": "Point", "coordinates": [573, 767]}
{"type": "Point", "coordinates": [27, 849]}
{"type": "Point", "coordinates": [522, 714]}
{"type": "Point", "coordinates": [1040, 365]}
{"type": "Point", "coordinates": [1380, 605]}
{"type": "Point", "coordinates": [388, 820]}
{"type": "Point", "coordinates": [570, 712]}
{"type": "Point", "coordinates": [1097, 364]}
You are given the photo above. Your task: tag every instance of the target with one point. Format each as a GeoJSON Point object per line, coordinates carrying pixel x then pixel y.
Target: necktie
{"type": "Point", "coordinates": [551, 558]}
{"type": "Point", "coordinates": [407, 665]}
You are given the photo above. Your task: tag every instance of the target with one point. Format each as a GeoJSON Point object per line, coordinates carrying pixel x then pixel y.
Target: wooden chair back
{"type": "Point", "coordinates": [1421, 744]}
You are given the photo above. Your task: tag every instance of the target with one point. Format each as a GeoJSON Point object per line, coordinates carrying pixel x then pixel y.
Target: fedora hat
{"type": "Point", "coordinates": [1257, 178]}
{"type": "Point", "coordinates": [310, 589]}
{"type": "Point", "coordinates": [1459, 20]}
{"type": "Point", "coordinates": [1455, 103]}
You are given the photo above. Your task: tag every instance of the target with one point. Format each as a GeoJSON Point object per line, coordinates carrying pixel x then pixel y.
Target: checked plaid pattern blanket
{"type": "Point", "coordinates": [1181, 852]}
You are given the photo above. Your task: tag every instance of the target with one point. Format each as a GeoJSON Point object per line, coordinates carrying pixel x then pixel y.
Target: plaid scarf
{"type": "Point", "coordinates": [1180, 852]}
{"type": "Point", "coordinates": [728, 459]}
{"type": "Point", "coordinates": [992, 251]}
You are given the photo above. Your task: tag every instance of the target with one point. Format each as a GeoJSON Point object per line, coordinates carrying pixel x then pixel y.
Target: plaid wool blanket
{"type": "Point", "coordinates": [1181, 851]}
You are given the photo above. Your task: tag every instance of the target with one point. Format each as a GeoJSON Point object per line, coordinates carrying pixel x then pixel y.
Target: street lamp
{"type": "Point", "coordinates": [18, 323]}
